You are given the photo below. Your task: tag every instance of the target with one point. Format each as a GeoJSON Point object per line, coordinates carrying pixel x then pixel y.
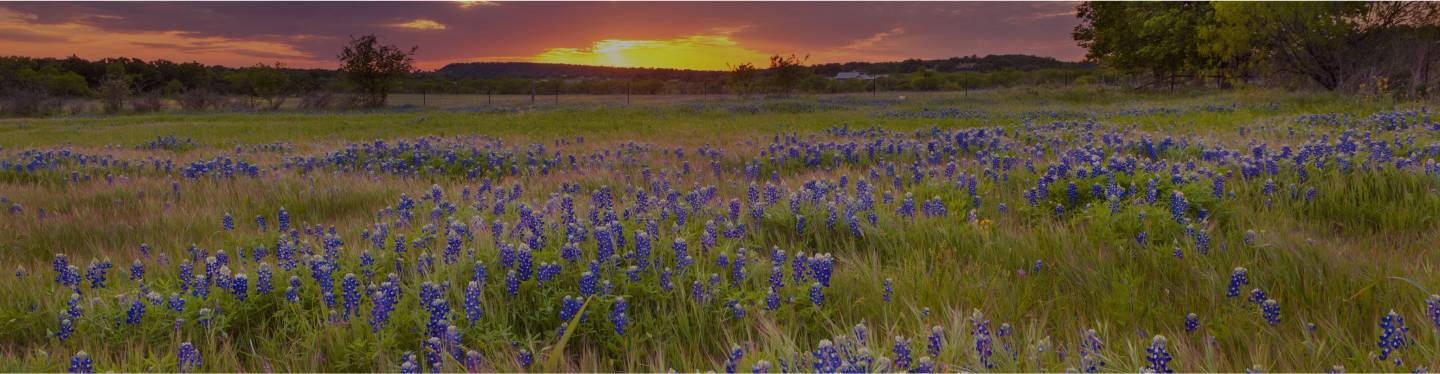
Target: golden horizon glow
{"type": "Point", "coordinates": [697, 52]}
{"type": "Point", "coordinates": [420, 24]}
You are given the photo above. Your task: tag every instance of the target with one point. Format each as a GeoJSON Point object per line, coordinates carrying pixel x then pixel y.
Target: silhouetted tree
{"type": "Point", "coordinates": [374, 68]}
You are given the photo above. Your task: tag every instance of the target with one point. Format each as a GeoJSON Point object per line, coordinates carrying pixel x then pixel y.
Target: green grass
{"type": "Point", "coordinates": [1365, 244]}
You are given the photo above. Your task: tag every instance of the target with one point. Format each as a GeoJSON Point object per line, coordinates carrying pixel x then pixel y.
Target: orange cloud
{"type": "Point", "coordinates": [21, 36]}
{"type": "Point", "coordinates": [420, 24]}
{"type": "Point", "coordinates": [700, 52]}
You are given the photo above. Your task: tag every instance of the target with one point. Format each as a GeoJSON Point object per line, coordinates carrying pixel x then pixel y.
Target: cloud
{"type": "Point", "coordinates": [467, 4]}
{"type": "Point", "coordinates": [702, 52]}
{"type": "Point", "coordinates": [872, 40]}
{"type": "Point", "coordinates": [24, 34]}
{"type": "Point", "coordinates": [420, 24]}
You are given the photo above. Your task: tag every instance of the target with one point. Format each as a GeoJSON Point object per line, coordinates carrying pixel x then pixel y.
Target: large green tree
{"type": "Point", "coordinates": [1161, 38]}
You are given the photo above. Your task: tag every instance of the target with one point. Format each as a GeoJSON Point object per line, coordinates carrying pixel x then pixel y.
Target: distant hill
{"type": "Point", "coordinates": [953, 64]}
{"type": "Point", "coordinates": [533, 70]}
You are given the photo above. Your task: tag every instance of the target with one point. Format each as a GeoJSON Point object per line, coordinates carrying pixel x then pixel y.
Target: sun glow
{"type": "Point", "coordinates": [699, 52]}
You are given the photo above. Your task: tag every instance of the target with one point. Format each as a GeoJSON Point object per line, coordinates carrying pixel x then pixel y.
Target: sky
{"type": "Point", "coordinates": [690, 35]}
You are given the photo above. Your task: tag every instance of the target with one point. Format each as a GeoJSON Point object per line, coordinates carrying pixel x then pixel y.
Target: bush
{"type": "Point", "coordinates": [197, 99]}
{"type": "Point", "coordinates": [29, 103]}
{"type": "Point", "coordinates": [147, 103]}
{"type": "Point", "coordinates": [317, 100]}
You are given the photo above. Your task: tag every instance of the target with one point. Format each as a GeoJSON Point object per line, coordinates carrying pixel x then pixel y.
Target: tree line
{"type": "Point", "coordinates": [1370, 47]}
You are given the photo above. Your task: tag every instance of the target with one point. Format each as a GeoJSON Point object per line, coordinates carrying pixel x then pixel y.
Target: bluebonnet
{"type": "Point", "coordinates": [67, 327]}
{"type": "Point", "coordinates": [1158, 356]}
{"type": "Point", "coordinates": [570, 307]}
{"type": "Point", "coordinates": [263, 279]}
{"type": "Point", "coordinates": [292, 292]}
{"type": "Point", "coordinates": [188, 358]}
{"type": "Point", "coordinates": [1238, 277]}
{"type": "Point", "coordinates": [907, 206]}
{"type": "Point", "coordinates": [350, 293]}
{"type": "Point", "coordinates": [980, 331]}
{"type": "Point", "coordinates": [284, 220]}
{"type": "Point", "coordinates": [512, 283]}
{"type": "Point", "coordinates": [1090, 358]}
{"type": "Point", "coordinates": [525, 358]}
{"type": "Point", "coordinates": [228, 222]}
{"type": "Point", "coordinates": [1178, 206]}
{"type": "Point", "coordinates": [439, 311]}
{"type": "Point", "coordinates": [1257, 296]}
{"type": "Point", "coordinates": [733, 359]}
{"type": "Point", "coordinates": [817, 296]}
{"type": "Point", "coordinates": [933, 345]}
{"type": "Point", "coordinates": [1192, 322]}
{"type": "Point", "coordinates": [902, 353]}
{"type": "Point", "coordinates": [1271, 310]}
{"type": "Point", "coordinates": [889, 289]}
{"type": "Point", "coordinates": [587, 284]}
{"type": "Point", "coordinates": [1393, 335]}
{"type": "Point", "coordinates": [96, 273]}
{"type": "Point", "coordinates": [1432, 309]}
{"type": "Point", "coordinates": [618, 316]}
{"type": "Point", "coordinates": [136, 312]}
{"type": "Point", "coordinates": [81, 363]}
{"type": "Point", "coordinates": [137, 270]}
{"type": "Point", "coordinates": [177, 303]}
{"type": "Point", "coordinates": [772, 300]}
{"type": "Point", "coordinates": [408, 364]}
{"type": "Point", "coordinates": [822, 266]}
{"type": "Point", "coordinates": [240, 286]}
{"type": "Point", "coordinates": [472, 301]}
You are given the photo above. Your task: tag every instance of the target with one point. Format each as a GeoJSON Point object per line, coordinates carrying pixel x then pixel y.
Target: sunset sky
{"type": "Point", "coordinates": [692, 35]}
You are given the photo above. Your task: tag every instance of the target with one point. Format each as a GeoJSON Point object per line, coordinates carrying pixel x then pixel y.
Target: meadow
{"type": "Point", "coordinates": [1070, 229]}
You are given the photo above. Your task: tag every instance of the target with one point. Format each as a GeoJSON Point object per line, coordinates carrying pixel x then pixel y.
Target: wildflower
{"type": "Point", "coordinates": [188, 358]}
{"type": "Point", "coordinates": [902, 353]}
{"type": "Point", "coordinates": [1158, 357]}
{"type": "Point", "coordinates": [1238, 278]}
{"type": "Point", "coordinates": [512, 283]}
{"type": "Point", "coordinates": [816, 296]}
{"type": "Point", "coordinates": [889, 289]}
{"type": "Point", "coordinates": [618, 317]}
{"type": "Point", "coordinates": [980, 330]}
{"type": "Point", "coordinates": [472, 301]}
{"type": "Point", "coordinates": [81, 363]}
{"type": "Point", "coordinates": [1271, 311]}
{"type": "Point", "coordinates": [1090, 347]}
{"type": "Point", "coordinates": [1393, 334]}
{"type": "Point", "coordinates": [136, 312]}
{"type": "Point", "coordinates": [934, 345]}
{"type": "Point", "coordinates": [525, 358]}
{"type": "Point", "coordinates": [1257, 296]}
{"type": "Point", "coordinates": [239, 286]}
{"type": "Point", "coordinates": [1432, 309]}
{"type": "Point", "coordinates": [1192, 322]}
{"type": "Point", "coordinates": [1178, 205]}
{"type": "Point", "coordinates": [66, 328]}
{"type": "Point", "coordinates": [228, 222]}
{"type": "Point", "coordinates": [587, 284]}
{"type": "Point", "coordinates": [772, 300]}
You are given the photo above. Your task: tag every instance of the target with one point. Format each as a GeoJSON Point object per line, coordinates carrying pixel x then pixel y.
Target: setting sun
{"type": "Point", "coordinates": [700, 52]}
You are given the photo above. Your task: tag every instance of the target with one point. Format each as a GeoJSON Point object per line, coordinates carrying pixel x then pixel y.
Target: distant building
{"type": "Point", "coordinates": [849, 75]}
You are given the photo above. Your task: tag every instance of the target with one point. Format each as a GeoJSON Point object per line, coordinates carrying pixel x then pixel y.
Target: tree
{"type": "Point", "coordinates": [786, 73]}
{"type": "Point", "coordinates": [115, 88]}
{"type": "Point", "coordinates": [264, 82]}
{"type": "Point", "coordinates": [1162, 38]}
{"type": "Point", "coordinates": [742, 78]}
{"type": "Point", "coordinates": [375, 69]}
{"type": "Point", "coordinates": [1331, 43]}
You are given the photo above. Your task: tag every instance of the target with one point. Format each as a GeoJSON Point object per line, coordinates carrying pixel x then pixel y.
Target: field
{"type": "Point", "coordinates": [1031, 230]}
